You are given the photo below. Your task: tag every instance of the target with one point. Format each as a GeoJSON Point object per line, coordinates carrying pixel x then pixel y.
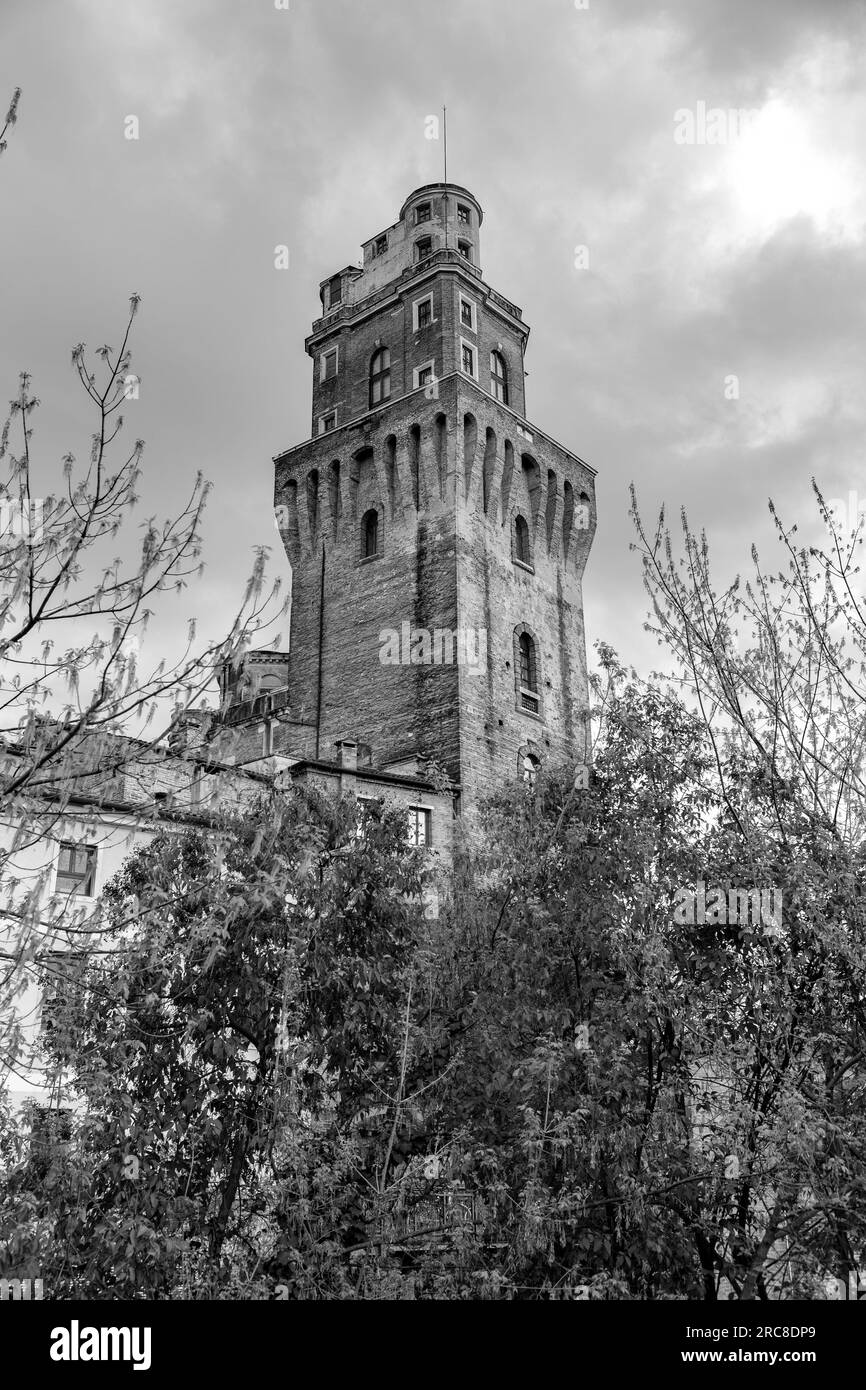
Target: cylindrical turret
{"type": "Point", "coordinates": [447, 213]}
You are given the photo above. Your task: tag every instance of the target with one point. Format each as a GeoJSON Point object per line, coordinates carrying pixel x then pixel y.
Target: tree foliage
{"type": "Point", "coordinates": [559, 1087]}
{"type": "Point", "coordinates": [228, 1008]}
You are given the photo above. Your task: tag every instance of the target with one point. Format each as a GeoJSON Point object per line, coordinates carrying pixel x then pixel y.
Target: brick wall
{"type": "Point", "coordinates": [446, 491]}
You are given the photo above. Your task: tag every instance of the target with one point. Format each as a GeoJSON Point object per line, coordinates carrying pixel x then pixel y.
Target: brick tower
{"type": "Point", "coordinates": [437, 539]}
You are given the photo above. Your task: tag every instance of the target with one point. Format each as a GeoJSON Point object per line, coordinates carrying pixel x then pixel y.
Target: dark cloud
{"type": "Point", "coordinates": [261, 127]}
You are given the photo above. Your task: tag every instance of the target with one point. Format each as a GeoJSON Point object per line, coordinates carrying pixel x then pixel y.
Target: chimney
{"type": "Point", "coordinates": [347, 758]}
{"type": "Point", "coordinates": [347, 754]}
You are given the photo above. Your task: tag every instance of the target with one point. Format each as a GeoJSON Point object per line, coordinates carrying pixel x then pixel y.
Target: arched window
{"type": "Point", "coordinates": [370, 534]}
{"type": "Point", "coordinates": [380, 376]}
{"type": "Point", "coordinates": [269, 682]}
{"type": "Point", "coordinates": [528, 697]}
{"type": "Point", "coordinates": [528, 767]}
{"type": "Point", "coordinates": [528, 675]}
{"type": "Point", "coordinates": [498, 377]}
{"type": "Point", "coordinates": [521, 541]}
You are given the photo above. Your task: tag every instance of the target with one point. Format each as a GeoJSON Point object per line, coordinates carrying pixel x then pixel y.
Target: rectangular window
{"type": "Point", "coordinates": [327, 422]}
{"type": "Point", "coordinates": [380, 246]}
{"type": "Point", "coordinates": [424, 313]}
{"type": "Point", "coordinates": [328, 368]}
{"type": "Point", "coordinates": [467, 313]}
{"type": "Point", "coordinates": [467, 359]}
{"type": "Point", "coordinates": [420, 826]}
{"type": "Point", "coordinates": [335, 291]}
{"type": "Point", "coordinates": [422, 213]}
{"type": "Point", "coordinates": [76, 869]}
{"type": "Point", "coordinates": [423, 247]}
{"type": "Point", "coordinates": [424, 375]}
{"type": "Point", "coordinates": [465, 249]}
{"type": "Point", "coordinates": [463, 214]}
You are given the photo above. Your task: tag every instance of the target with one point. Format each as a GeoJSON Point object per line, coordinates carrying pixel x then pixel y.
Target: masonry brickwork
{"type": "Point", "coordinates": [405, 507]}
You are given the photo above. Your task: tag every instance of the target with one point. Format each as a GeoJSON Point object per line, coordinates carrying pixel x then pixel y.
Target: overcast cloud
{"type": "Point", "coordinates": [261, 126]}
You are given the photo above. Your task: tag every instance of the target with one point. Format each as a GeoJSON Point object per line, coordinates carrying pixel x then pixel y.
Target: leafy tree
{"type": "Point", "coordinates": [77, 592]}
{"type": "Point", "coordinates": [313, 1079]}
{"type": "Point", "coordinates": [777, 664]}
{"type": "Point", "coordinates": [246, 1018]}
{"type": "Point", "coordinates": [11, 118]}
{"type": "Point", "coordinates": [651, 1107]}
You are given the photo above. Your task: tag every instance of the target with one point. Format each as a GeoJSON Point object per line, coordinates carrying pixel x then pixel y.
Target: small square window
{"type": "Point", "coordinates": [329, 365]}
{"type": "Point", "coordinates": [425, 313]}
{"type": "Point", "coordinates": [420, 826]}
{"type": "Point", "coordinates": [423, 247]}
{"type": "Point", "coordinates": [465, 249]}
{"type": "Point", "coordinates": [328, 423]}
{"type": "Point", "coordinates": [467, 358]}
{"type": "Point", "coordinates": [76, 869]}
{"type": "Point", "coordinates": [463, 214]}
{"type": "Point", "coordinates": [425, 374]}
{"type": "Point", "coordinates": [380, 245]}
{"type": "Point", "coordinates": [467, 316]}
{"type": "Point", "coordinates": [422, 213]}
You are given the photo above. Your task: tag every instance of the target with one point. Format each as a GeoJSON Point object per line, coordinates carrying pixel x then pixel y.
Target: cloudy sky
{"type": "Point", "coordinates": [305, 126]}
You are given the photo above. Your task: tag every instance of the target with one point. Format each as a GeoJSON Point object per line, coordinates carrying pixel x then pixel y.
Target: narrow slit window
{"type": "Point", "coordinates": [521, 541]}
{"type": "Point", "coordinates": [527, 671]}
{"type": "Point", "coordinates": [370, 535]}
{"type": "Point", "coordinates": [498, 377]}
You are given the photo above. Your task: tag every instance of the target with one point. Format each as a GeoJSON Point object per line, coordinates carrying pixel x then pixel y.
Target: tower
{"type": "Point", "coordinates": [437, 540]}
